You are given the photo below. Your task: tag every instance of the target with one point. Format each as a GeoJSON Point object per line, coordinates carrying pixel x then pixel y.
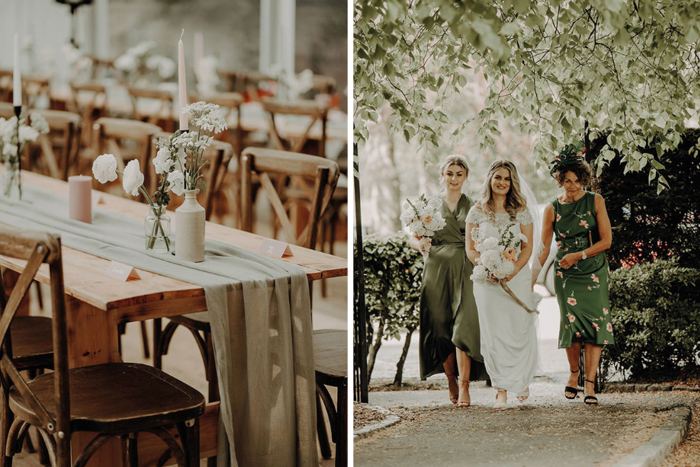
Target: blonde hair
{"type": "Point", "coordinates": [515, 201]}
{"type": "Point", "coordinates": [452, 159]}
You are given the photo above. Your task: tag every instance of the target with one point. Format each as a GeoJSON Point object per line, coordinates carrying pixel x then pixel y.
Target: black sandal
{"type": "Point", "coordinates": [569, 390]}
{"type": "Point", "coordinates": [590, 400]}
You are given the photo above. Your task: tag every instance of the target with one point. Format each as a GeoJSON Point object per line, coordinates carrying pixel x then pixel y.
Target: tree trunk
{"type": "Point", "coordinates": [374, 348]}
{"type": "Point", "coordinates": [404, 352]}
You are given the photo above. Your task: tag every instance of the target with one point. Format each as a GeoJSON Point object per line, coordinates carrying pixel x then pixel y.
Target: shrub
{"type": "Point", "coordinates": [656, 319]}
{"type": "Point", "coordinates": [647, 225]}
{"type": "Point", "coordinates": [393, 276]}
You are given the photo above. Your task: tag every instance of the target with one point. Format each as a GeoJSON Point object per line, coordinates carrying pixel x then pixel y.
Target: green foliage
{"type": "Point", "coordinates": [648, 225]}
{"type": "Point", "coordinates": [393, 276]}
{"type": "Point", "coordinates": [655, 315]}
{"type": "Point", "coordinates": [554, 68]}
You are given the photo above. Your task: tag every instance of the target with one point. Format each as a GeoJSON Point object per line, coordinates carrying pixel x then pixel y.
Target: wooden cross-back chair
{"type": "Point", "coordinates": [161, 107]}
{"type": "Point", "coordinates": [6, 85]}
{"type": "Point", "coordinates": [35, 86]}
{"type": "Point", "coordinates": [269, 164]}
{"type": "Point", "coordinates": [89, 100]}
{"type": "Point", "coordinates": [312, 110]}
{"type": "Point", "coordinates": [64, 137]}
{"type": "Point", "coordinates": [115, 399]}
{"type": "Point", "coordinates": [323, 84]}
{"type": "Point", "coordinates": [110, 135]}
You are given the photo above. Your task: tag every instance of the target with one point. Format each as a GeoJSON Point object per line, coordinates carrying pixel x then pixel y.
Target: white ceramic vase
{"type": "Point", "coordinates": [190, 220]}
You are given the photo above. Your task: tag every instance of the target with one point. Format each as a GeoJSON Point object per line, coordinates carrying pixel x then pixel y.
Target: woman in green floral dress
{"type": "Point", "coordinates": [579, 221]}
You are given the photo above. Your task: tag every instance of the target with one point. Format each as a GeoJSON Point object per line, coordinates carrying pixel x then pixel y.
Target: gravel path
{"type": "Point", "coordinates": [546, 430]}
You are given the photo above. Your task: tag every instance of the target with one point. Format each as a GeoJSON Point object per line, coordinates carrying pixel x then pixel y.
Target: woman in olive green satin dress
{"type": "Point", "coordinates": [449, 324]}
{"type": "Point", "coordinates": [579, 221]}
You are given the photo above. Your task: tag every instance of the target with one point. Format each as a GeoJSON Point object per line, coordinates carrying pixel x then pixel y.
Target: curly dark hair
{"type": "Point", "coordinates": [581, 169]}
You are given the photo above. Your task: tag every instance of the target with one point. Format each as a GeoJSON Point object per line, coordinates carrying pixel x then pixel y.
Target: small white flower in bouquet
{"type": "Point", "coordinates": [423, 218]}
{"type": "Point", "coordinates": [14, 135]}
{"type": "Point", "coordinates": [497, 256]}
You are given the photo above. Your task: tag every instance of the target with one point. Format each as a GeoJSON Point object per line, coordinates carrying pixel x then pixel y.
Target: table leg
{"type": "Point", "coordinates": [92, 340]}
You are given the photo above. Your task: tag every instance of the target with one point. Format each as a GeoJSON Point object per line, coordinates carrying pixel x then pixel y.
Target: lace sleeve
{"type": "Point", "coordinates": [475, 216]}
{"type": "Point", "coordinates": [524, 217]}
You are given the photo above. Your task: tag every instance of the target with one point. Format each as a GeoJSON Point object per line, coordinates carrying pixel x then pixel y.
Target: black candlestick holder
{"type": "Point", "coordinates": [18, 112]}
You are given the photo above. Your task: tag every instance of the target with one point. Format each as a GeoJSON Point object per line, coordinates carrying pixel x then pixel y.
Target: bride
{"type": "Point", "coordinates": [508, 334]}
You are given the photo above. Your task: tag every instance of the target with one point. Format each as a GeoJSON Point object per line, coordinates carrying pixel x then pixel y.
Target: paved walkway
{"type": "Point", "coordinates": [545, 430]}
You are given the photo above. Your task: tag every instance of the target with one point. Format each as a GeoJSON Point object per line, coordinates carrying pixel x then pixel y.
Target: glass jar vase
{"type": "Point", "coordinates": [157, 230]}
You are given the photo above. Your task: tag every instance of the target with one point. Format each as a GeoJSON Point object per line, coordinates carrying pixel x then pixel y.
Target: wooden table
{"type": "Point", "coordinates": [96, 303]}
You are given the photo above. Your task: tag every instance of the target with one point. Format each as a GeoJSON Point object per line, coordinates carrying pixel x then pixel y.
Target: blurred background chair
{"type": "Point", "coordinates": [154, 106]}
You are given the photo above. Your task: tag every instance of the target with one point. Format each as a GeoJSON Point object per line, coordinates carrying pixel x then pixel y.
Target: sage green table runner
{"type": "Point", "coordinates": [262, 332]}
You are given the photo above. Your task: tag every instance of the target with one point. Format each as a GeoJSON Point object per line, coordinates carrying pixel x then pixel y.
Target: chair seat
{"type": "Point", "coordinates": [115, 397]}
{"type": "Point", "coordinates": [331, 354]}
{"type": "Point", "coordinates": [32, 342]}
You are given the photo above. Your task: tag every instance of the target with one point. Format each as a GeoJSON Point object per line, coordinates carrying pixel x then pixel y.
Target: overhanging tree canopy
{"type": "Point", "coordinates": [629, 68]}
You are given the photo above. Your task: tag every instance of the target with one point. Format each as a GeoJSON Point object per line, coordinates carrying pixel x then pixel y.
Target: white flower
{"type": "Point", "coordinates": [206, 117]}
{"type": "Point", "coordinates": [407, 216]}
{"type": "Point", "coordinates": [9, 150]}
{"type": "Point", "coordinates": [133, 178]}
{"type": "Point", "coordinates": [105, 168]}
{"type": "Point", "coordinates": [522, 237]}
{"type": "Point", "coordinates": [27, 134]}
{"type": "Point", "coordinates": [126, 63]}
{"type": "Point", "coordinates": [479, 273]}
{"type": "Point", "coordinates": [163, 161]}
{"type": "Point", "coordinates": [39, 123]}
{"type": "Point", "coordinates": [490, 243]}
{"type": "Point", "coordinates": [435, 203]}
{"type": "Point", "coordinates": [176, 182]}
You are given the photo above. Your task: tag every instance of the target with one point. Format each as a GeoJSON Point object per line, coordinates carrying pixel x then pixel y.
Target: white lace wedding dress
{"type": "Point", "coordinates": [508, 332]}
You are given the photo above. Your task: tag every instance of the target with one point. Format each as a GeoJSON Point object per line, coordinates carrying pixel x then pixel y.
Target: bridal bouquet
{"type": "Point", "coordinates": [498, 255]}
{"type": "Point", "coordinates": [423, 218]}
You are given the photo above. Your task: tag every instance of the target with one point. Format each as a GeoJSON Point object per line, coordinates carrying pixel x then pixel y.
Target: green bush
{"type": "Point", "coordinates": [656, 319]}
{"type": "Point", "coordinates": [647, 225]}
{"type": "Point", "coordinates": [393, 276]}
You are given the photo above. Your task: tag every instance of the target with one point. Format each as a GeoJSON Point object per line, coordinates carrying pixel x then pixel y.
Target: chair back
{"type": "Point", "coordinates": [154, 106]}
{"type": "Point", "coordinates": [115, 135]}
{"type": "Point", "coordinates": [89, 100]}
{"type": "Point", "coordinates": [37, 248]}
{"type": "Point", "coordinates": [314, 111]}
{"type": "Point", "coordinates": [64, 136]}
{"type": "Point", "coordinates": [35, 86]}
{"type": "Point", "coordinates": [7, 110]}
{"type": "Point", "coordinates": [269, 164]}
{"type": "Point", "coordinates": [6, 85]}
{"type": "Point", "coordinates": [323, 84]}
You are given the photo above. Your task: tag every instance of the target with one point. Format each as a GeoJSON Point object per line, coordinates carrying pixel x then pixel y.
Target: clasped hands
{"type": "Point", "coordinates": [569, 260]}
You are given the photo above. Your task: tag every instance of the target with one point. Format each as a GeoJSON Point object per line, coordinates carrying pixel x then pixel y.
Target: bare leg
{"type": "Point", "coordinates": [501, 399]}
{"type": "Point", "coordinates": [464, 365]}
{"type": "Point", "coordinates": [592, 358]}
{"type": "Point", "coordinates": [573, 354]}
{"type": "Point", "coordinates": [450, 366]}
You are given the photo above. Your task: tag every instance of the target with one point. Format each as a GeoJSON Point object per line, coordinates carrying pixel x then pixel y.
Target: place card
{"type": "Point", "coordinates": [120, 271]}
{"type": "Point", "coordinates": [275, 248]}
{"type": "Point", "coordinates": [98, 200]}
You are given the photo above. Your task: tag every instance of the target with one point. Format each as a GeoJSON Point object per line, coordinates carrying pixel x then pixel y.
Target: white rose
{"type": "Point", "coordinates": [479, 273]}
{"type": "Point", "coordinates": [407, 216]}
{"type": "Point", "coordinates": [105, 168]}
{"type": "Point", "coordinates": [490, 243]}
{"type": "Point", "coordinates": [176, 182]}
{"type": "Point", "coordinates": [163, 161]}
{"type": "Point", "coordinates": [133, 178]}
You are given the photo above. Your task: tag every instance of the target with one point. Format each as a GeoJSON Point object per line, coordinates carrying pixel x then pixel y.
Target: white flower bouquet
{"type": "Point", "coordinates": [182, 154]}
{"type": "Point", "coordinates": [497, 260]}
{"type": "Point", "coordinates": [423, 218]}
{"type": "Point", "coordinates": [105, 170]}
{"type": "Point", "coordinates": [14, 135]}
{"type": "Point", "coordinates": [497, 255]}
